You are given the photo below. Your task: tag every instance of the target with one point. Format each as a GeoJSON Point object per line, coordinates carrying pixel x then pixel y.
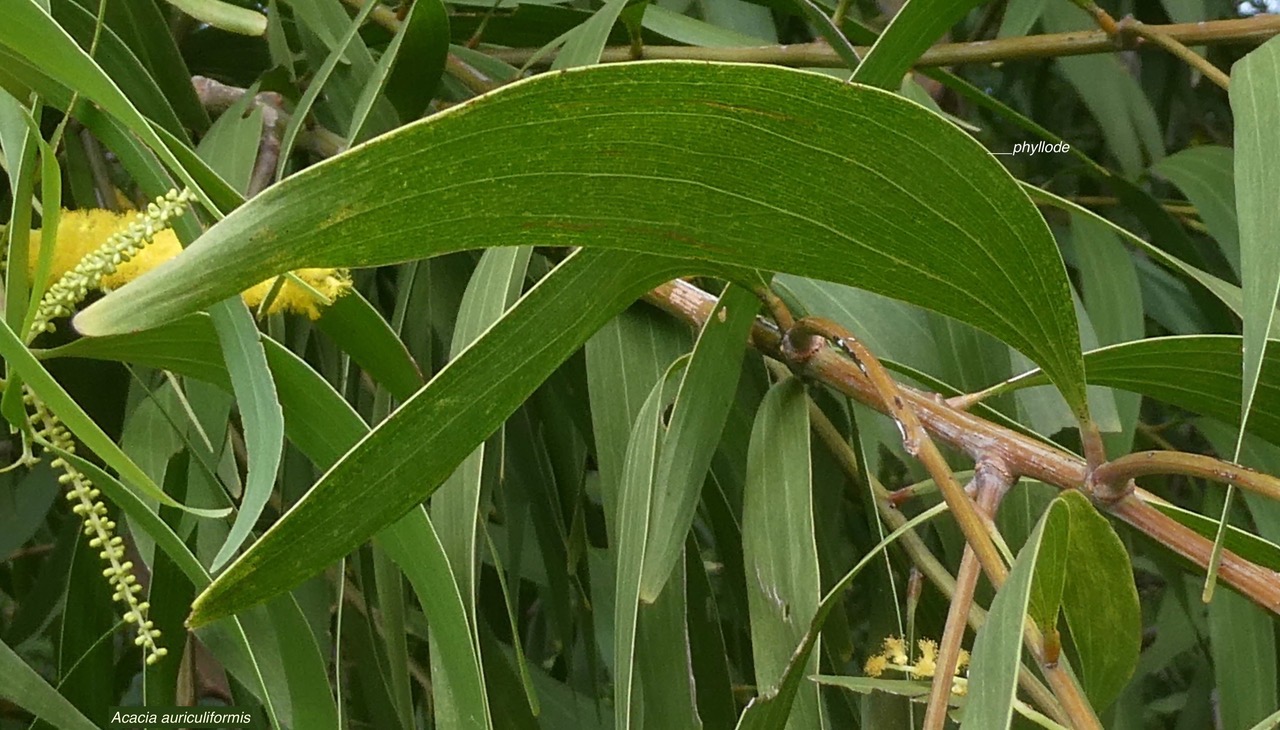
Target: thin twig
{"type": "Point", "coordinates": [990, 482]}
{"type": "Point", "coordinates": [919, 553]}
{"type": "Point", "coordinates": [1255, 29]}
{"type": "Point", "coordinates": [915, 438]}
{"type": "Point", "coordinates": [1118, 472]}
{"type": "Point", "coordinates": [1173, 45]}
{"type": "Point", "coordinates": [1025, 456]}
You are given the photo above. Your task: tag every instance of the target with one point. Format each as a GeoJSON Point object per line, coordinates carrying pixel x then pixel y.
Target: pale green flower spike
{"type": "Point", "coordinates": [98, 527]}
{"type": "Point", "coordinates": [61, 298]}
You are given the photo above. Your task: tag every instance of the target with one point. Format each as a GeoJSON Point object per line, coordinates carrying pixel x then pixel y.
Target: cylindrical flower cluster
{"type": "Point", "coordinates": [99, 528]}
{"type": "Point", "coordinates": [61, 298]}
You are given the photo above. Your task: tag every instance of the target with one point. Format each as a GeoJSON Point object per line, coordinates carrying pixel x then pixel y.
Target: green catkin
{"type": "Point", "coordinates": [60, 301]}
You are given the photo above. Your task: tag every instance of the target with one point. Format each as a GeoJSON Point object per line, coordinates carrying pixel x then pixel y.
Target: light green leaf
{"type": "Point", "coordinates": [1242, 640]}
{"type": "Point", "coordinates": [584, 44]}
{"type": "Point", "coordinates": [1205, 175]}
{"type": "Point", "coordinates": [28, 690]}
{"type": "Point", "coordinates": [778, 544]}
{"type": "Point", "coordinates": [634, 508]}
{"type": "Point", "coordinates": [260, 414]}
{"type": "Point", "coordinates": [458, 506]}
{"type": "Point", "coordinates": [228, 17]}
{"type": "Point", "coordinates": [1020, 16]}
{"type": "Point", "coordinates": [739, 212]}
{"type": "Point", "coordinates": [689, 441]}
{"type": "Point", "coordinates": [916, 26]}
{"type": "Point", "coordinates": [997, 650]}
{"type": "Point", "coordinates": [1255, 102]}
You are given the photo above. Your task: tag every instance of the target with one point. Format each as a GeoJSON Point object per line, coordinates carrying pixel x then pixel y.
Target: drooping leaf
{"type": "Point", "coordinates": [634, 508]}
{"type": "Point", "coordinates": [1205, 175]}
{"type": "Point", "coordinates": [1255, 102]}
{"type": "Point", "coordinates": [997, 650]}
{"type": "Point", "coordinates": [689, 442]}
{"type": "Point", "coordinates": [738, 212]}
{"type": "Point", "coordinates": [917, 25]}
{"type": "Point", "coordinates": [779, 546]}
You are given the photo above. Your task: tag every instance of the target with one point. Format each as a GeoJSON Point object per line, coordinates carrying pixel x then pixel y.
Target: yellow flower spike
{"type": "Point", "coordinates": [82, 232]}
{"type": "Point", "coordinates": [962, 661]}
{"type": "Point", "coordinates": [875, 666]}
{"type": "Point", "coordinates": [927, 664]}
{"type": "Point", "coordinates": [330, 283]}
{"type": "Point", "coordinates": [895, 650]}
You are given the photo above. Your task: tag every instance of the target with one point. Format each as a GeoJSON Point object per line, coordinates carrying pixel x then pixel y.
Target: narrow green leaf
{"type": "Point", "coordinates": [1114, 98]}
{"type": "Point", "coordinates": [28, 690]}
{"type": "Point", "coordinates": [231, 144]}
{"type": "Point", "coordinates": [917, 25]}
{"type": "Point", "coordinates": [1100, 601]}
{"type": "Point", "coordinates": [624, 360]}
{"type": "Point", "coordinates": [420, 49]}
{"type": "Point", "coordinates": [120, 62]}
{"type": "Point", "coordinates": [408, 455]}
{"type": "Point", "coordinates": [706, 393]}
{"type": "Point", "coordinates": [907, 159]}
{"type": "Point", "coordinates": [1255, 103]}
{"type": "Point", "coordinates": [357, 328]}
{"type": "Point", "coordinates": [1242, 642]}
{"type": "Point", "coordinates": [82, 425]}
{"type": "Point", "coordinates": [321, 77]}
{"type": "Point", "coordinates": [260, 414]}
{"type": "Point", "coordinates": [997, 650]}
{"type": "Point", "coordinates": [829, 32]}
{"type": "Point", "coordinates": [1205, 175]}
{"type": "Point", "coordinates": [223, 15]}
{"type": "Point", "coordinates": [1243, 543]}
{"type": "Point", "coordinates": [634, 508]}
{"type": "Point", "coordinates": [584, 44]}
{"type": "Point", "coordinates": [1020, 16]}
{"type": "Point", "coordinates": [778, 544]}
{"type": "Point", "coordinates": [458, 506]}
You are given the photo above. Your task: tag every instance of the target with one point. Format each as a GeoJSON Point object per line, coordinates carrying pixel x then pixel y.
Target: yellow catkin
{"type": "Point", "coordinates": [82, 231]}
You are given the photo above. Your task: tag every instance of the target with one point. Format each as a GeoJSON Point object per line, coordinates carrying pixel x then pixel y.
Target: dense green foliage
{"type": "Point", "coordinates": [401, 425]}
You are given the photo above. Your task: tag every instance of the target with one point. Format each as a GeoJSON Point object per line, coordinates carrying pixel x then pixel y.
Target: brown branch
{"type": "Point", "coordinates": [990, 482]}
{"type": "Point", "coordinates": [1177, 48]}
{"type": "Point", "coordinates": [1255, 29]}
{"type": "Point", "coordinates": [804, 340]}
{"type": "Point", "coordinates": [979, 438]}
{"type": "Point", "coordinates": [921, 558]}
{"type": "Point", "coordinates": [1145, 463]}
{"type": "Point", "coordinates": [218, 97]}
